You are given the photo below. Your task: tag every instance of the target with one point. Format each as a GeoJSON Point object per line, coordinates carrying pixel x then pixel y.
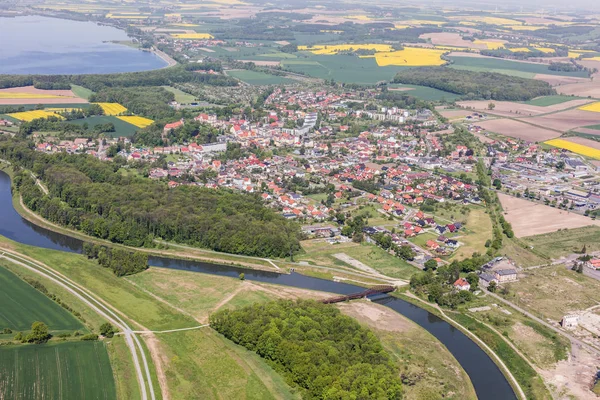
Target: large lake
{"type": "Point", "coordinates": [41, 45]}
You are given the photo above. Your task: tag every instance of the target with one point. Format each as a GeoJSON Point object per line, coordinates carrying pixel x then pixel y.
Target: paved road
{"type": "Point", "coordinates": [572, 338]}
{"type": "Point", "coordinates": [90, 300]}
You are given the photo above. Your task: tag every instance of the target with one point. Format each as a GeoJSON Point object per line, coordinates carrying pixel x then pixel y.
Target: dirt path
{"type": "Point", "coordinates": [229, 297]}
{"type": "Point", "coordinates": [155, 352]}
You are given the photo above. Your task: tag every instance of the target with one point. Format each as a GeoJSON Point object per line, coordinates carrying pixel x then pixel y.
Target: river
{"type": "Point", "coordinates": [487, 379]}
{"type": "Point", "coordinates": [42, 45]}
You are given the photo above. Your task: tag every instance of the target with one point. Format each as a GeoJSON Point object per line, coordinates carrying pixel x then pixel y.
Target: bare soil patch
{"type": "Point", "coordinates": [206, 49]}
{"type": "Point", "coordinates": [528, 218]}
{"type": "Point", "coordinates": [402, 89]}
{"type": "Point", "coordinates": [583, 89]}
{"type": "Point", "coordinates": [514, 109]}
{"type": "Point", "coordinates": [555, 80]}
{"type": "Point", "coordinates": [451, 39]}
{"type": "Point", "coordinates": [66, 96]}
{"type": "Point", "coordinates": [375, 315]}
{"type": "Point", "coordinates": [572, 377]}
{"type": "Point", "coordinates": [263, 63]}
{"type": "Point", "coordinates": [519, 130]}
{"type": "Point", "coordinates": [567, 120]}
{"type": "Point", "coordinates": [454, 114]}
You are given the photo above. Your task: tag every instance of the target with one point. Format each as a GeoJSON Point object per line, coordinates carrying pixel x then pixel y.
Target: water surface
{"type": "Point", "coordinates": [42, 45]}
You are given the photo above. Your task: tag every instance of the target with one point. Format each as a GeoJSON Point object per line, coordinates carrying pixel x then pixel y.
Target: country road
{"type": "Point", "coordinates": [98, 306]}
{"type": "Point", "coordinates": [572, 338]}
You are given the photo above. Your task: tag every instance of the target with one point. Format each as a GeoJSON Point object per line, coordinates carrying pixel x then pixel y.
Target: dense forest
{"type": "Point", "coordinates": [92, 196]}
{"type": "Point", "coordinates": [327, 354]}
{"type": "Point", "coordinates": [159, 77]}
{"type": "Point", "coordinates": [476, 85]}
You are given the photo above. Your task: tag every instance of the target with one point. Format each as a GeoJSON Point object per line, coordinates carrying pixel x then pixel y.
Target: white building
{"type": "Point", "coordinates": [570, 321]}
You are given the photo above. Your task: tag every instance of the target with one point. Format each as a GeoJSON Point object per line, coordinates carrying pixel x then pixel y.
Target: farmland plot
{"type": "Point", "coordinates": [21, 305]}
{"type": "Point", "coordinates": [70, 370]}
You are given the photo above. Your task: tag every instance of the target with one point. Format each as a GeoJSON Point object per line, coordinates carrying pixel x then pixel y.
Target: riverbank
{"type": "Point", "coordinates": [165, 57]}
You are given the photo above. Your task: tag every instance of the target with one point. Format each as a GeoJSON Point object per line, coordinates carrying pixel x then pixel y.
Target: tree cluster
{"type": "Point", "coordinates": [120, 262]}
{"type": "Point", "coordinates": [476, 85]}
{"type": "Point", "coordinates": [315, 347]}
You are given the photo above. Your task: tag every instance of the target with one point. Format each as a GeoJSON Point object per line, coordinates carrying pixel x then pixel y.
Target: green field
{"type": "Point", "coordinates": [425, 93]}
{"type": "Point", "coordinates": [513, 68]}
{"type": "Point", "coordinates": [82, 92]}
{"type": "Point", "coordinates": [342, 68]}
{"type": "Point", "coordinates": [72, 370]}
{"type": "Point", "coordinates": [546, 101]}
{"type": "Point", "coordinates": [566, 241]}
{"type": "Point", "coordinates": [258, 78]}
{"type": "Point", "coordinates": [181, 96]}
{"type": "Point", "coordinates": [21, 305]}
{"type": "Point", "coordinates": [597, 127]}
{"type": "Point", "coordinates": [322, 253]}
{"type": "Point", "coordinates": [122, 128]}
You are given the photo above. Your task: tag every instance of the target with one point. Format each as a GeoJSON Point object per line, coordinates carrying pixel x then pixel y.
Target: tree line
{"type": "Point", "coordinates": [476, 85]}
{"type": "Point", "coordinates": [326, 354]}
{"type": "Point", "coordinates": [90, 195]}
{"type": "Point", "coordinates": [97, 82]}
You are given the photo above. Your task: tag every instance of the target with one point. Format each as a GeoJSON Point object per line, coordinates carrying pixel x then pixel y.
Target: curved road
{"type": "Point", "coordinates": [91, 301]}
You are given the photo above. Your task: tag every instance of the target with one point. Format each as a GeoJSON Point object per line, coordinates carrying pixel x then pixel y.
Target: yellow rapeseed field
{"type": "Point", "coordinates": [413, 22]}
{"type": "Point", "coordinates": [34, 114]}
{"type": "Point", "coordinates": [490, 45]}
{"type": "Point", "coordinates": [520, 50]}
{"type": "Point", "coordinates": [192, 35]}
{"type": "Point", "coordinates": [358, 17]}
{"type": "Point", "coordinates": [22, 95]}
{"type": "Point", "coordinates": [575, 148]}
{"type": "Point", "coordinates": [329, 49]}
{"type": "Point", "coordinates": [490, 20]}
{"type": "Point", "coordinates": [524, 27]}
{"type": "Point", "coordinates": [410, 57]}
{"type": "Point", "coordinates": [112, 108]}
{"type": "Point", "coordinates": [595, 107]}
{"type": "Point", "coordinates": [140, 122]}
{"type": "Point", "coordinates": [545, 49]}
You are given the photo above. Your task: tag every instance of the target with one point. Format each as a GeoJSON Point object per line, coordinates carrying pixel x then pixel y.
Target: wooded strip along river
{"type": "Point", "coordinates": [488, 380]}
